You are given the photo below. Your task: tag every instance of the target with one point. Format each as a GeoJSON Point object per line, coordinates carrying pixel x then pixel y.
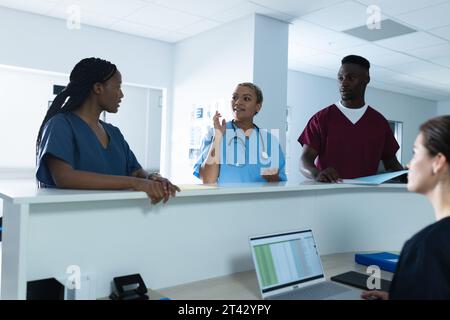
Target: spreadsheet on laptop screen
{"type": "Point", "coordinates": [286, 259]}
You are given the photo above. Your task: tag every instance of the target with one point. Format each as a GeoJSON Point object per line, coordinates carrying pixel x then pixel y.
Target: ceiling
{"type": "Point", "coordinates": [416, 64]}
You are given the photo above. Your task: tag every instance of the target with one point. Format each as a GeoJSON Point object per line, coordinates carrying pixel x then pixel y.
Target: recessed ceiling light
{"type": "Point", "coordinates": [388, 29]}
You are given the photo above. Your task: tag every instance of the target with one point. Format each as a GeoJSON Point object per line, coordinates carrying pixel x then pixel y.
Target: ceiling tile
{"type": "Point", "coordinates": [339, 17]}
{"type": "Point", "coordinates": [423, 84]}
{"type": "Point", "coordinates": [381, 78]}
{"type": "Point", "coordinates": [382, 85]}
{"type": "Point", "coordinates": [386, 83]}
{"type": "Point", "coordinates": [367, 50]}
{"type": "Point", "coordinates": [409, 80]}
{"type": "Point", "coordinates": [443, 79]}
{"type": "Point", "coordinates": [425, 70]}
{"type": "Point", "coordinates": [428, 18]}
{"type": "Point", "coordinates": [296, 8]}
{"type": "Point", "coordinates": [203, 8]}
{"type": "Point", "coordinates": [411, 67]}
{"type": "Point", "coordinates": [93, 19]}
{"type": "Point", "coordinates": [422, 94]}
{"type": "Point", "coordinates": [393, 58]}
{"type": "Point", "coordinates": [433, 52]}
{"type": "Point", "coordinates": [443, 61]}
{"type": "Point", "coordinates": [314, 70]}
{"type": "Point", "coordinates": [325, 60]}
{"type": "Point", "coordinates": [164, 18]}
{"type": "Point", "coordinates": [313, 48]}
{"type": "Point", "coordinates": [88, 17]}
{"type": "Point", "coordinates": [247, 8]}
{"type": "Point", "coordinates": [299, 29]}
{"type": "Point", "coordinates": [395, 7]}
{"type": "Point", "coordinates": [378, 73]}
{"type": "Point", "coordinates": [410, 41]}
{"type": "Point", "coordinates": [139, 29]}
{"type": "Point", "coordinates": [33, 6]}
{"type": "Point", "coordinates": [415, 91]}
{"type": "Point", "coordinates": [440, 91]}
{"type": "Point", "coordinates": [298, 51]}
{"type": "Point", "coordinates": [310, 35]}
{"type": "Point", "coordinates": [199, 27]}
{"type": "Point", "coordinates": [385, 29]}
{"type": "Point", "coordinates": [172, 37]}
{"type": "Point", "coordinates": [443, 32]}
{"type": "Point", "coordinates": [114, 8]}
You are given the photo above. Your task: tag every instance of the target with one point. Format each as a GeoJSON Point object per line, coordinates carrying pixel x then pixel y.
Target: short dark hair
{"type": "Point", "coordinates": [436, 136]}
{"type": "Point", "coordinates": [360, 61]}
{"type": "Point", "coordinates": [254, 87]}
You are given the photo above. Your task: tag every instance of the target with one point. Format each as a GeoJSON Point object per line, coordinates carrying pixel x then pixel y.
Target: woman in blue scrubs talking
{"type": "Point", "coordinates": [239, 151]}
{"type": "Point", "coordinates": [76, 150]}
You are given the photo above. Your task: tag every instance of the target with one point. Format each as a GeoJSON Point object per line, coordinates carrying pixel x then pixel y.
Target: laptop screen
{"type": "Point", "coordinates": [286, 259]}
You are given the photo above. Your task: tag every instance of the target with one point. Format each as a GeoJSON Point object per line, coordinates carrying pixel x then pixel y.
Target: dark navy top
{"type": "Point", "coordinates": [423, 270]}
{"type": "Point", "coordinates": [69, 138]}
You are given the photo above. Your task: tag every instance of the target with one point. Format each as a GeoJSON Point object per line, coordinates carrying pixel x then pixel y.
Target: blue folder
{"type": "Point", "coordinates": [385, 260]}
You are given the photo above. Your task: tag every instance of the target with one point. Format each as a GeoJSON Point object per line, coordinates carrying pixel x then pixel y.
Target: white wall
{"type": "Point", "coordinates": [44, 43]}
{"type": "Point", "coordinates": [207, 68]}
{"type": "Point", "coordinates": [307, 94]}
{"type": "Point", "coordinates": [412, 111]}
{"type": "Point", "coordinates": [210, 65]}
{"type": "Point", "coordinates": [270, 71]}
{"type": "Point", "coordinates": [139, 120]}
{"type": "Point", "coordinates": [443, 108]}
{"type": "Point", "coordinates": [24, 97]}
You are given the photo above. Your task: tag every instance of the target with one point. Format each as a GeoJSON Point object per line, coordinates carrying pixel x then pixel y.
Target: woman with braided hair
{"type": "Point", "coordinates": [76, 150]}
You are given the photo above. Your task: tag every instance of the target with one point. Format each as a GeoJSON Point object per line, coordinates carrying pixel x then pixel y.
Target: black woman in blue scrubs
{"type": "Point", "coordinates": [77, 150]}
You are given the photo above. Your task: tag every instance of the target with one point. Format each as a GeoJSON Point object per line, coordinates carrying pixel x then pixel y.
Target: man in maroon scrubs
{"type": "Point", "coordinates": [348, 139]}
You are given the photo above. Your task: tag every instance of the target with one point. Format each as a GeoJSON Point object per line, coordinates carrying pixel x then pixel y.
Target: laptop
{"type": "Point", "coordinates": [288, 267]}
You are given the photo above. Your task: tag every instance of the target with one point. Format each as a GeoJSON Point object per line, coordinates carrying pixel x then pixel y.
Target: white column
{"type": "Point", "coordinates": [14, 250]}
{"type": "Point", "coordinates": [270, 72]}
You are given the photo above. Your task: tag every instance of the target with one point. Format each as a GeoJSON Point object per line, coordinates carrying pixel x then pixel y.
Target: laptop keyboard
{"type": "Point", "coordinates": [315, 292]}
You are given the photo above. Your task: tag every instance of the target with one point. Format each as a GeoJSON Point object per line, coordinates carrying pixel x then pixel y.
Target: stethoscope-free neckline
{"type": "Point", "coordinates": [264, 154]}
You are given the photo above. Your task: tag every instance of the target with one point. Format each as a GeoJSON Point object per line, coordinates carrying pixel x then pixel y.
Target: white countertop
{"type": "Point", "coordinates": [26, 191]}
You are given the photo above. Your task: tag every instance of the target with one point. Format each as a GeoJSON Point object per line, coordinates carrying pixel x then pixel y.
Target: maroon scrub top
{"type": "Point", "coordinates": [354, 150]}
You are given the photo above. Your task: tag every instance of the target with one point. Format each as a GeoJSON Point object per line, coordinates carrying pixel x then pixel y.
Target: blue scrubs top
{"type": "Point", "coordinates": [239, 164]}
{"type": "Point", "coordinates": [69, 138]}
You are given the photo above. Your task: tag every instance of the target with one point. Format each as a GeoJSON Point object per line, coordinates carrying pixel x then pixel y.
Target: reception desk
{"type": "Point", "coordinates": [200, 234]}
